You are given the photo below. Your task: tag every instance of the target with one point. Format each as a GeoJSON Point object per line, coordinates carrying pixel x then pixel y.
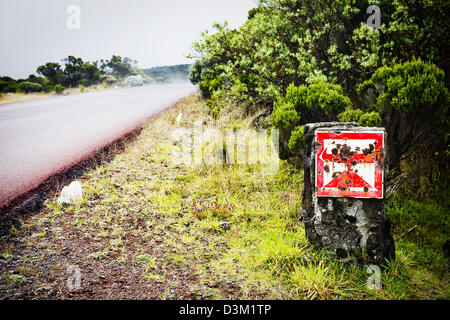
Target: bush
{"type": "Point", "coordinates": [371, 119]}
{"type": "Point", "coordinates": [329, 97]}
{"type": "Point", "coordinates": [28, 87]}
{"type": "Point", "coordinates": [350, 115]}
{"type": "Point", "coordinates": [363, 119]}
{"type": "Point", "coordinates": [195, 72]}
{"type": "Point", "coordinates": [83, 82]}
{"type": "Point", "coordinates": [8, 84]}
{"type": "Point", "coordinates": [59, 89]}
{"type": "Point", "coordinates": [209, 85]}
{"type": "Point", "coordinates": [108, 79]}
{"type": "Point", "coordinates": [285, 116]}
{"type": "Point", "coordinates": [412, 86]}
{"type": "Point", "coordinates": [412, 101]}
{"type": "Point", "coordinates": [47, 85]}
{"type": "Point", "coordinates": [297, 140]}
{"type": "Point", "coordinates": [320, 101]}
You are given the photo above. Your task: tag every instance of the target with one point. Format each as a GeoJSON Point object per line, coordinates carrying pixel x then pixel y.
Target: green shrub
{"type": "Point", "coordinates": [413, 103]}
{"type": "Point", "coordinates": [371, 119]}
{"type": "Point", "coordinates": [364, 119]}
{"type": "Point", "coordinates": [3, 85]}
{"type": "Point", "coordinates": [209, 85]}
{"type": "Point", "coordinates": [320, 101]}
{"type": "Point", "coordinates": [28, 87]}
{"type": "Point", "coordinates": [296, 95]}
{"type": "Point", "coordinates": [47, 85]}
{"type": "Point", "coordinates": [409, 87]}
{"type": "Point", "coordinates": [84, 82]}
{"type": "Point", "coordinates": [350, 115]}
{"type": "Point", "coordinates": [285, 116]}
{"type": "Point", "coordinates": [8, 85]}
{"type": "Point", "coordinates": [195, 72]}
{"type": "Point", "coordinates": [81, 87]}
{"type": "Point", "coordinates": [329, 97]}
{"type": "Point", "coordinates": [59, 89]}
{"type": "Point", "coordinates": [108, 79]}
{"type": "Point", "coordinates": [297, 140]}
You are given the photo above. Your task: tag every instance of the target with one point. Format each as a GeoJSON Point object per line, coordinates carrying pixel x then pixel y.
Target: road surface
{"type": "Point", "coordinates": [41, 137]}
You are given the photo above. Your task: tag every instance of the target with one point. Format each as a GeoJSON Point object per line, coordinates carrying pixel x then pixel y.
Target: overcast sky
{"type": "Point", "coordinates": [154, 32]}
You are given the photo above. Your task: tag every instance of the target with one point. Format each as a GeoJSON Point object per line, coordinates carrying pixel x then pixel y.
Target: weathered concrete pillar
{"type": "Point", "coordinates": [343, 196]}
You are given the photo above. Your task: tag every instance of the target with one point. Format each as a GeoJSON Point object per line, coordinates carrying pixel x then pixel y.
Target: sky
{"type": "Point", "coordinates": [153, 32]}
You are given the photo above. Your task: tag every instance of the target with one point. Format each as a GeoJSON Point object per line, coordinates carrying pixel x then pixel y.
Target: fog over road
{"type": "Point", "coordinates": [40, 137]}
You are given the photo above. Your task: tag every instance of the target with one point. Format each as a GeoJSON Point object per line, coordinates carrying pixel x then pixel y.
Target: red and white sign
{"type": "Point", "coordinates": [349, 164]}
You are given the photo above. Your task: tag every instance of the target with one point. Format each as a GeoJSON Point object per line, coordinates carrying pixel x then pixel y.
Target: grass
{"type": "Point", "coordinates": [235, 227]}
{"type": "Point", "coordinates": [18, 97]}
{"type": "Point", "coordinates": [14, 280]}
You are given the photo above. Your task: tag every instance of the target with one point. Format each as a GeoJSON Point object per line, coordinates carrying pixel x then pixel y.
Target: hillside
{"type": "Point", "coordinates": [176, 73]}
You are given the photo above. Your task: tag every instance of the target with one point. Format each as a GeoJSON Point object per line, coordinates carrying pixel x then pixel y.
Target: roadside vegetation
{"type": "Point", "coordinates": [78, 76]}
{"type": "Point", "coordinates": [319, 61]}
{"type": "Point", "coordinates": [149, 227]}
{"type": "Point", "coordinates": [295, 62]}
{"type": "Point", "coordinates": [73, 75]}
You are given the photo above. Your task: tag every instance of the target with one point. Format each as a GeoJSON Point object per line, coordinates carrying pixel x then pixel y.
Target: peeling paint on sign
{"type": "Point", "coordinates": [349, 164]}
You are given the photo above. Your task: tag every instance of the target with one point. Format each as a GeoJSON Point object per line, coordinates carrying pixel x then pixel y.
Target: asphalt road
{"type": "Point", "coordinates": [41, 137]}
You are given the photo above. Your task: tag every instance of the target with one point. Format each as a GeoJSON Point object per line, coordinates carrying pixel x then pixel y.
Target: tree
{"type": "Point", "coordinates": [91, 73]}
{"type": "Point", "coordinates": [8, 84]}
{"type": "Point", "coordinates": [119, 67]}
{"type": "Point", "coordinates": [52, 71]}
{"type": "Point", "coordinates": [79, 72]}
{"type": "Point", "coordinates": [73, 70]}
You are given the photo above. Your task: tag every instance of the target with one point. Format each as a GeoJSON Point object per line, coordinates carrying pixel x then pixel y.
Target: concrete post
{"type": "Point", "coordinates": [343, 196]}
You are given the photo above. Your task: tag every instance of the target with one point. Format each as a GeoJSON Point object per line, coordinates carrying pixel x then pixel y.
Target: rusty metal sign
{"type": "Point", "coordinates": [349, 164]}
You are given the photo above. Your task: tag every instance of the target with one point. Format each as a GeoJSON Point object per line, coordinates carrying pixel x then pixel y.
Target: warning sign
{"type": "Point", "coordinates": [349, 164]}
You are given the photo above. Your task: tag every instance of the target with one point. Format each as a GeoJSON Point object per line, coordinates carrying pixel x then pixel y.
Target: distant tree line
{"type": "Point", "coordinates": [73, 72]}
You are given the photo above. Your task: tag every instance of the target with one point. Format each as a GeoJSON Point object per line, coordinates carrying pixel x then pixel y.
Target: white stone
{"type": "Point", "coordinates": [179, 118]}
{"type": "Point", "coordinates": [71, 194]}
